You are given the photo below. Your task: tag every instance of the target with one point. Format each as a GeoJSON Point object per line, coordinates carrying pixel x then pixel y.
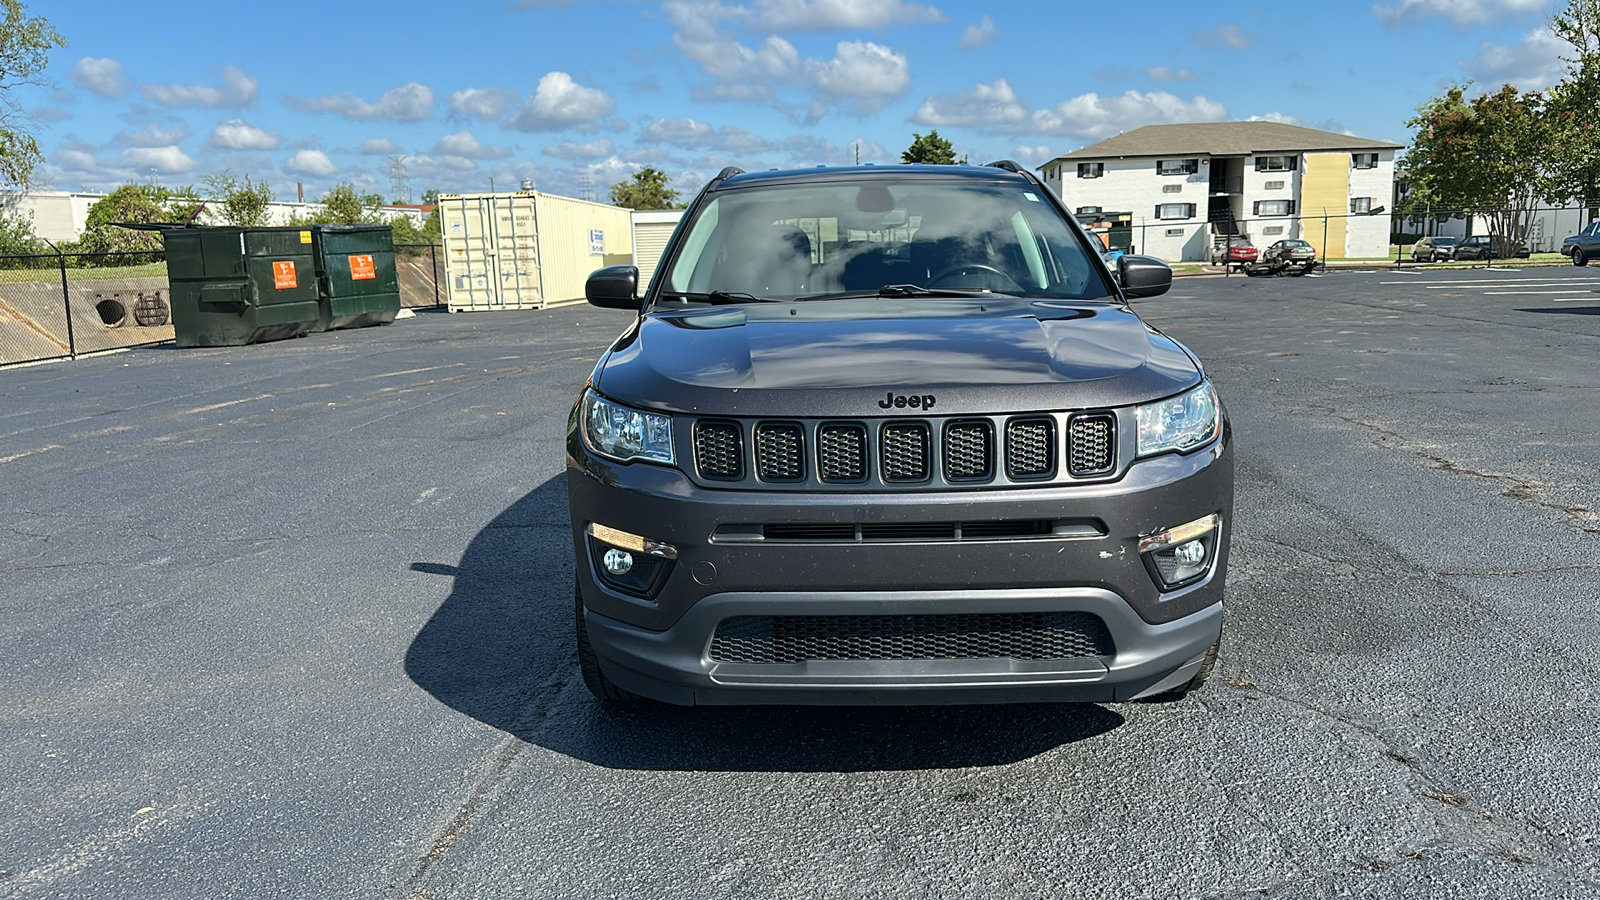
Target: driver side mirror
{"type": "Point", "coordinates": [1143, 276]}
{"type": "Point", "coordinates": [614, 287]}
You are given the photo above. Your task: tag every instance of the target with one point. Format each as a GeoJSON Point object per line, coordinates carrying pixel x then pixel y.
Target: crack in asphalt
{"type": "Point", "coordinates": [506, 754]}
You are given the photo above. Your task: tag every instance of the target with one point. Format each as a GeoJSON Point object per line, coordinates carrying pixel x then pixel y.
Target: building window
{"type": "Point", "coordinates": [1361, 204]}
{"type": "Point", "coordinates": [1175, 211]}
{"type": "Point", "coordinates": [1172, 189]}
{"type": "Point", "coordinates": [1088, 210]}
{"type": "Point", "coordinates": [1274, 208]}
{"type": "Point", "coordinates": [1277, 163]}
{"type": "Point", "coordinates": [1177, 166]}
{"type": "Point", "coordinates": [1274, 185]}
{"type": "Point", "coordinates": [1174, 232]}
{"type": "Point", "coordinates": [1364, 160]}
{"type": "Point", "coordinates": [1091, 170]}
{"type": "Point", "coordinates": [1272, 229]}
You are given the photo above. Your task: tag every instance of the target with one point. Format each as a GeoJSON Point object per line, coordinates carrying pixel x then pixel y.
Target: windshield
{"type": "Point", "coordinates": [855, 237]}
{"type": "Point", "coordinates": [1444, 241]}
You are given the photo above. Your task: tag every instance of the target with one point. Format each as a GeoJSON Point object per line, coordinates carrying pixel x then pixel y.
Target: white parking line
{"type": "Point", "coordinates": [1490, 293]}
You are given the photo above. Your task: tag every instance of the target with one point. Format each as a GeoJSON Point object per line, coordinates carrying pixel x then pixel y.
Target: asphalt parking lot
{"type": "Point", "coordinates": [294, 620]}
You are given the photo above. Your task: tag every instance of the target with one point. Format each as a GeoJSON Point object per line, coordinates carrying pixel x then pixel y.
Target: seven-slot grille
{"type": "Point", "coordinates": [910, 453]}
{"type": "Point", "coordinates": [1023, 636]}
{"type": "Point", "coordinates": [1092, 444]}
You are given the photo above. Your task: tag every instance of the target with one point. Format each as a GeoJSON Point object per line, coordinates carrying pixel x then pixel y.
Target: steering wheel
{"type": "Point", "coordinates": [971, 269]}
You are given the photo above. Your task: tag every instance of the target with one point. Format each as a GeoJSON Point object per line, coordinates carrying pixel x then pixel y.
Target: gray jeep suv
{"type": "Point", "coordinates": [893, 435]}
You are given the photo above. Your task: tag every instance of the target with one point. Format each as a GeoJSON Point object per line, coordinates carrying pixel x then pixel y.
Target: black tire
{"type": "Point", "coordinates": [1201, 676]}
{"type": "Point", "coordinates": [1579, 258]}
{"type": "Point", "coordinates": [594, 679]}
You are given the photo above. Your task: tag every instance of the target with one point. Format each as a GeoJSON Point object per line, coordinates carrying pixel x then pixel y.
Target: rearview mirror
{"type": "Point", "coordinates": [1143, 276]}
{"type": "Point", "coordinates": [614, 287]}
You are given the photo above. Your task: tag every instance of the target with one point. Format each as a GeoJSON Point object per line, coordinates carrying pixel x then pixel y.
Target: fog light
{"type": "Point", "coordinates": [1181, 555]}
{"type": "Point", "coordinates": [618, 562]}
{"type": "Point", "coordinates": [629, 563]}
{"type": "Point", "coordinates": [1190, 554]}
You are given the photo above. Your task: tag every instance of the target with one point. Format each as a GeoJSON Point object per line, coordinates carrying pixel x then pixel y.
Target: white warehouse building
{"type": "Point", "coordinates": [1185, 186]}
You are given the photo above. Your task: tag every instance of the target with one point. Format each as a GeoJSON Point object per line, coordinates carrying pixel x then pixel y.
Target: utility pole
{"type": "Point", "coordinates": [397, 169]}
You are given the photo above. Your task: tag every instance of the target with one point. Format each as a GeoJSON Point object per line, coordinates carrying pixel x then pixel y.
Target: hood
{"type": "Point", "coordinates": [849, 357]}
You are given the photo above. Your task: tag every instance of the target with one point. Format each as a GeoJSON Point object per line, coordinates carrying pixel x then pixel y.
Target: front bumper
{"type": "Point", "coordinates": [659, 646]}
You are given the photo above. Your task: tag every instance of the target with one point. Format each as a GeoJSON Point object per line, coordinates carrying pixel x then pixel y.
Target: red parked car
{"type": "Point", "coordinates": [1239, 252]}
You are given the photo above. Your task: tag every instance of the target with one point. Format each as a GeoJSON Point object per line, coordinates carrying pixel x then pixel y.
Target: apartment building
{"type": "Point", "coordinates": [1187, 185]}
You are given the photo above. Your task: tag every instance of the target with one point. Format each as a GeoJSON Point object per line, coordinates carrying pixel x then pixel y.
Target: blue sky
{"type": "Point", "coordinates": [465, 92]}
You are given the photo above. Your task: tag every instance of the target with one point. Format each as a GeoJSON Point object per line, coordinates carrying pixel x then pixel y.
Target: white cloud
{"type": "Point", "coordinates": [1534, 63]}
{"type": "Point", "coordinates": [410, 102]}
{"type": "Point", "coordinates": [464, 143]}
{"type": "Point", "coordinates": [152, 135]}
{"type": "Point", "coordinates": [99, 76]}
{"type": "Point", "coordinates": [310, 162]}
{"type": "Point", "coordinates": [1222, 37]}
{"type": "Point", "coordinates": [737, 72]}
{"type": "Point", "coordinates": [236, 134]}
{"type": "Point", "coordinates": [978, 35]}
{"type": "Point", "coordinates": [379, 147]}
{"type": "Point", "coordinates": [1161, 74]}
{"type": "Point", "coordinates": [994, 106]}
{"type": "Point", "coordinates": [165, 160]}
{"type": "Point", "coordinates": [595, 149]}
{"type": "Point", "coordinates": [695, 135]}
{"type": "Point", "coordinates": [1093, 116]}
{"type": "Point", "coordinates": [487, 104]}
{"type": "Point", "coordinates": [828, 15]}
{"type": "Point", "coordinates": [560, 103]}
{"type": "Point", "coordinates": [1459, 12]}
{"type": "Point", "coordinates": [863, 72]}
{"type": "Point", "coordinates": [1032, 154]}
{"type": "Point", "coordinates": [997, 108]}
{"type": "Point", "coordinates": [1280, 118]}
{"type": "Point", "coordinates": [74, 160]}
{"type": "Point", "coordinates": [237, 90]}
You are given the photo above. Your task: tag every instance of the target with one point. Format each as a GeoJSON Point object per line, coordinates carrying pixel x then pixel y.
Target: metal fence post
{"type": "Point", "coordinates": [66, 298]}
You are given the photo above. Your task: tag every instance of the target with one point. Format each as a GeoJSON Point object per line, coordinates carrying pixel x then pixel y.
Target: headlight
{"type": "Point", "coordinates": [1180, 423]}
{"type": "Point", "coordinates": [623, 434]}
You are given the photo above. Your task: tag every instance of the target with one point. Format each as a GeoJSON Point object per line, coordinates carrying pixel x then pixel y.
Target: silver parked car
{"type": "Point", "coordinates": [1583, 246]}
{"type": "Point", "coordinates": [1433, 248]}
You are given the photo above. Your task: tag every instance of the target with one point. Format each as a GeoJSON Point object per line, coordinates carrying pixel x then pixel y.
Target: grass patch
{"type": "Point", "coordinates": [76, 273]}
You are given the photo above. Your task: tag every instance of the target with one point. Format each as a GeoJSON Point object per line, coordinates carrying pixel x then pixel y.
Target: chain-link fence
{"type": "Point", "coordinates": [63, 305]}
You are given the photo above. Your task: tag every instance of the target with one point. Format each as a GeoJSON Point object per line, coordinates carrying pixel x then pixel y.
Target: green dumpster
{"type": "Point", "coordinates": [356, 275]}
{"type": "Point", "coordinates": [234, 286]}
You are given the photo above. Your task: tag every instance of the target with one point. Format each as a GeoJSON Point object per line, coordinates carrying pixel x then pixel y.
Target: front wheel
{"type": "Point", "coordinates": [1579, 258]}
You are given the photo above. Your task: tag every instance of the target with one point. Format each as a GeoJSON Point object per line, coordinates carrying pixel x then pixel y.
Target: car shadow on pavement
{"type": "Point", "coordinates": [499, 649]}
{"type": "Point", "coordinates": [1564, 310]}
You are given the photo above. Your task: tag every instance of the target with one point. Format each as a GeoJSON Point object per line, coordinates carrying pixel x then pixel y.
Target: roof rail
{"type": "Point", "coordinates": [1009, 166]}
{"type": "Point", "coordinates": [727, 173]}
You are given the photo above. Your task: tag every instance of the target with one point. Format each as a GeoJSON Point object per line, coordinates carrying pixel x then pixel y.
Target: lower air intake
{"type": "Point", "coordinates": [1023, 636]}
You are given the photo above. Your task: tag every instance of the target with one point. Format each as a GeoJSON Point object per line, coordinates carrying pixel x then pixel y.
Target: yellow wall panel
{"type": "Point", "coordinates": [1325, 191]}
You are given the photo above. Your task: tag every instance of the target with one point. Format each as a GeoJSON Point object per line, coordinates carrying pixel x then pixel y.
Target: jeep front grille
{"type": "Point", "coordinates": [1092, 444]}
{"type": "Point", "coordinates": [968, 451]}
{"type": "Point", "coordinates": [1021, 636]}
{"type": "Point", "coordinates": [780, 452]}
{"type": "Point", "coordinates": [933, 453]}
{"type": "Point", "coordinates": [906, 452]}
{"type": "Point", "coordinates": [718, 450]}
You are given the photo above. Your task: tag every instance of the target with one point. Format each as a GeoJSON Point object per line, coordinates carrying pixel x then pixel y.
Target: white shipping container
{"type": "Point", "coordinates": [651, 229]}
{"type": "Point", "coordinates": [525, 249]}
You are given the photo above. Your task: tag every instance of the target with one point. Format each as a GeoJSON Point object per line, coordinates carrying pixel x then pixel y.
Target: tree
{"type": "Point", "coordinates": [238, 202]}
{"type": "Point", "coordinates": [341, 205]}
{"type": "Point", "coordinates": [25, 45]}
{"type": "Point", "coordinates": [929, 150]}
{"type": "Point", "coordinates": [646, 190]}
{"type": "Point", "coordinates": [1486, 156]}
{"type": "Point", "coordinates": [136, 203]}
{"type": "Point", "coordinates": [1576, 163]}
{"type": "Point", "coordinates": [407, 232]}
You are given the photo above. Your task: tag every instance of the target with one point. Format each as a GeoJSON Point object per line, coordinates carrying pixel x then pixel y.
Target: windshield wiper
{"type": "Point", "coordinates": [719, 297]}
{"type": "Point", "coordinates": [903, 290]}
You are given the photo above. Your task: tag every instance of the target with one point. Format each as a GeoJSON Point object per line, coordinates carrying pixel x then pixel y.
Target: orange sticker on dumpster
{"type": "Point", "coordinates": [361, 268]}
{"type": "Point", "coordinates": [283, 276]}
